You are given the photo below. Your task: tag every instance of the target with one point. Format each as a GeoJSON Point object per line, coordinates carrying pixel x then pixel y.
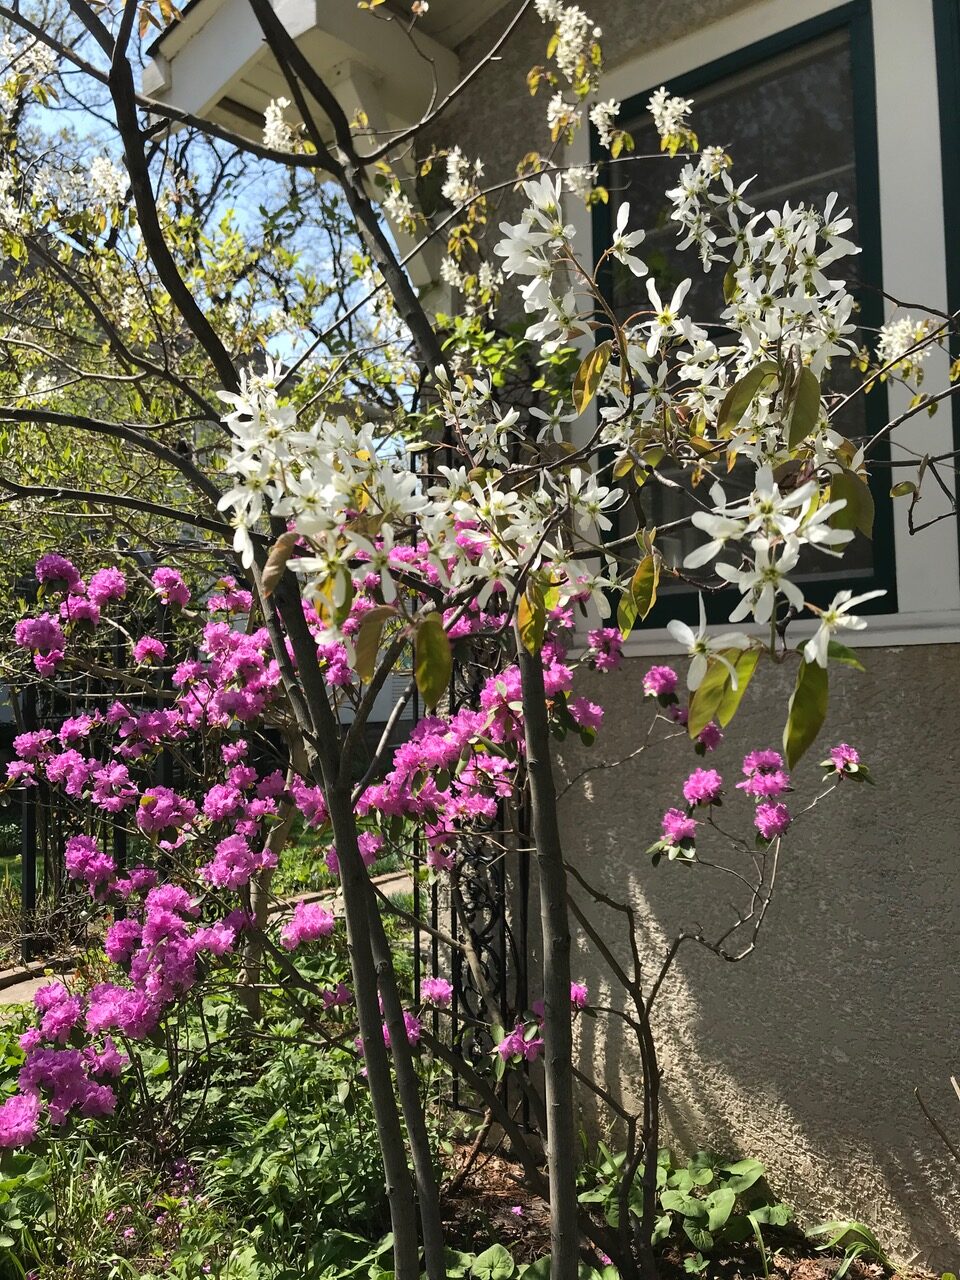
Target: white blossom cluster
{"type": "Point", "coordinates": [22, 66]}
{"type": "Point", "coordinates": [669, 112]}
{"type": "Point", "coordinates": [576, 32]}
{"type": "Point", "coordinates": [278, 134]}
{"type": "Point", "coordinates": [460, 185]}
{"type": "Point", "coordinates": [785, 314]}
{"type": "Point", "coordinates": [903, 346]}
{"type": "Point", "coordinates": [108, 183]}
{"type": "Point", "coordinates": [603, 117]}
{"type": "Point", "coordinates": [398, 207]}
{"type": "Point", "coordinates": [349, 496]}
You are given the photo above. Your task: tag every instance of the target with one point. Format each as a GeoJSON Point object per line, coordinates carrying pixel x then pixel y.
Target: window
{"type": "Point", "coordinates": [815, 82]}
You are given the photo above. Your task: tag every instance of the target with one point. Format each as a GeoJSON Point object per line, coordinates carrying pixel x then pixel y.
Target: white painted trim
{"type": "Point", "coordinates": [885, 631]}
{"type": "Point", "coordinates": [914, 261]}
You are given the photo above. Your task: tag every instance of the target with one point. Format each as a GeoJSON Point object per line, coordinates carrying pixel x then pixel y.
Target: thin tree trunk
{"type": "Point", "coordinates": [310, 703]}
{"type": "Point", "coordinates": [354, 883]}
{"type": "Point", "coordinates": [409, 1090]}
{"type": "Point", "coordinates": [259, 906]}
{"type": "Point", "coordinates": [555, 926]}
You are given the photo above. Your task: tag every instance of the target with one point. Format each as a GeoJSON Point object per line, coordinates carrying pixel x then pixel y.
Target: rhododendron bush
{"type": "Point", "coordinates": [391, 502]}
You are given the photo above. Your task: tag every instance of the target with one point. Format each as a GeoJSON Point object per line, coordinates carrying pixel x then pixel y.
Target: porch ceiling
{"type": "Point", "coordinates": [214, 63]}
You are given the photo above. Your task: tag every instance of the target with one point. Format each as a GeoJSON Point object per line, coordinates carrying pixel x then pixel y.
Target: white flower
{"type": "Point", "coordinates": [398, 207]}
{"type": "Point", "coordinates": [603, 116]}
{"type": "Point", "coordinates": [579, 180]}
{"type": "Point", "coordinates": [668, 113]}
{"type": "Point", "coordinates": [624, 241]}
{"type": "Point", "coordinates": [700, 647]}
{"type": "Point", "coordinates": [108, 182]}
{"type": "Point", "coordinates": [761, 584]}
{"type": "Point", "coordinates": [665, 322]}
{"type": "Point", "coordinates": [834, 617]}
{"type": "Point", "coordinates": [561, 116]}
{"type": "Point", "coordinates": [277, 134]}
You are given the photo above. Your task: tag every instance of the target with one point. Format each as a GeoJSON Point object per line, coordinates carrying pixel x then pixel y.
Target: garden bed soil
{"type": "Point", "coordinates": [483, 1212]}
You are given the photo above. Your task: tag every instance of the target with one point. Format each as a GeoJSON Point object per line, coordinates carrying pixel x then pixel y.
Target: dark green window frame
{"type": "Point", "coordinates": [855, 17]}
{"type": "Point", "coordinates": [946, 29]}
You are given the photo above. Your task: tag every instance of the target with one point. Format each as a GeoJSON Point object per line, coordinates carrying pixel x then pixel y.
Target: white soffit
{"type": "Point", "coordinates": [214, 62]}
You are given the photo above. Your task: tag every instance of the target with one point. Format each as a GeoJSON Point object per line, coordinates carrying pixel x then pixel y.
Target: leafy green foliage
{"type": "Point", "coordinates": [704, 1203]}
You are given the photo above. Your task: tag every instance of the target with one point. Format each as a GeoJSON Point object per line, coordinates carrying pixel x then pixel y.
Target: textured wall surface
{"type": "Point", "coordinates": [807, 1053]}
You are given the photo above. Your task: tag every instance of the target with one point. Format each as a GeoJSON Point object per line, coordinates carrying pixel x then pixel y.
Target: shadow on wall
{"type": "Point", "coordinates": [806, 1054]}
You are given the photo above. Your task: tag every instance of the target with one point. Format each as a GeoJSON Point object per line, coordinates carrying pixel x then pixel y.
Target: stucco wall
{"type": "Point", "coordinates": [807, 1053]}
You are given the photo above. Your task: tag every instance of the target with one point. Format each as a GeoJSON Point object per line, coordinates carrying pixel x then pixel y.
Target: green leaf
{"type": "Point", "coordinates": [745, 664]}
{"type": "Point", "coordinates": [588, 376]}
{"type": "Point", "coordinates": [494, 1263]}
{"type": "Point", "coordinates": [808, 710]}
{"type": "Point", "coordinates": [433, 660]}
{"type": "Point", "coordinates": [661, 1228]}
{"type": "Point", "coordinates": [642, 595]}
{"type": "Point", "coordinates": [777, 1215]}
{"type": "Point", "coordinates": [643, 588]}
{"type": "Point", "coordinates": [697, 1234]}
{"type": "Point", "coordinates": [838, 652]}
{"type": "Point", "coordinates": [689, 1206]}
{"type": "Point", "coordinates": [720, 1206]}
{"type": "Point", "coordinates": [805, 410]}
{"type": "Point", "coordinates": [708, 697]}
{"type": "Point", "coordinates": [368, 640]}
{"type": "Point", "coordinates": [539, 1270]}
{"type": "Point", "coordinates": [532, 618]}
{"type": "Point", "coordinates": [730, 286]}
{"type": "Point", "coordinates": [904, 489]}
{"type": "Point", "coordinates": [740, 396]}
{"type": "Point", "coordinates": [858, 513]}
{"type": "Point", "coordinates": [626, 614]}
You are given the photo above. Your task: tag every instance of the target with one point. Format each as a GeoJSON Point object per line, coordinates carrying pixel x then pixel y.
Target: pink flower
{"type": "Point", "coordinates": [437, 991]}
{"type": "Point", "coordinates": [310, 921]}
{"type": "Point", "coordinates": [768, 784]}
{"type": "Point", "coordinates": [170, 587]}
{"type": "Point", "coordinates": [659, 682]}
{"type": "Point", "coordinates": [518, 1044]}
{"type": "Point", "coordinates": [59, 573]}
{"type": "Point", "coordinates": [412, 1026]}
{"type": "Point", "coordinates": [586, 713]}
{"type": "Point", "coordinates": [19, 1120]}
{"type": "Point", "coordinates": [517, 1210]}
{"type": "Point", "coordinates": [107, 584]}
{"type": "Point", "coordinates": [606, 648]}
{"type": "Point", "coordinates": [772, 820]}
{"type": "Point", "coordinates": [843, 755]}
{"type": "Point", "coordinates": [703, 787]}
{"type": "Point", "coordinates": [78, 609]}
{"type": "Point", "coordinates": [677, 826]}
{"type": "Point", "coordinates": [758, 761]}
{"type": "Point", "coordinates": [579, 995]}
{"type": "Point", "coordinates": [85, 861]}
{"type": "Point", "coordinates": [710, 736]}
{"type": "Point", "coordinates": [42, 634]}
{"type": "Point", "coordinates": [149, 649]}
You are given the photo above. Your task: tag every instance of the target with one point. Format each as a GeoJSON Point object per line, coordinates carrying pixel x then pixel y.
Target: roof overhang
{"type": "Point", "coordinates": [214, 62]}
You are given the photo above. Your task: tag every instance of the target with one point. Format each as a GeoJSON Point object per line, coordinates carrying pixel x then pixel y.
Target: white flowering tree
{"type": "Point", "coordinates": [406, 483]}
